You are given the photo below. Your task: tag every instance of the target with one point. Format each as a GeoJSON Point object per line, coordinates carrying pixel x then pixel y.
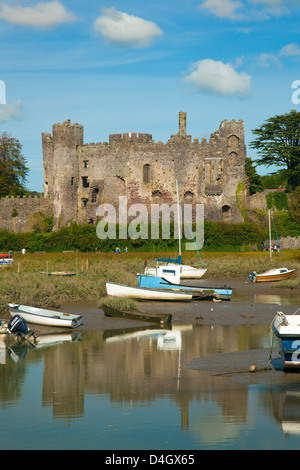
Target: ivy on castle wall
{"type": "Point", "coordinates": [277, 200]}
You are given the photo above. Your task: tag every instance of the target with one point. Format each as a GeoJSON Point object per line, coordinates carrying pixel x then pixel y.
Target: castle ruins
{"type": "Point", "coordinates": [78, 177]}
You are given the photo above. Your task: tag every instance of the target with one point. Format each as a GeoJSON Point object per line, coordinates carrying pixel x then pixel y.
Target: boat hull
{"type": "Point", "coordinates": [187, 272]}
{"type": "Point", "coordinates": [119, 290]}
{"type": "Point", "coordinates": [287, 330]}
{"type": "Point", "coordinates": [133, 315]}
{"type": "Point", "coordinates": [45, 317]}
{"type": "Point", "coordinates": [274, 276]}
{"type": "Point", "coordinates": [154, 282]}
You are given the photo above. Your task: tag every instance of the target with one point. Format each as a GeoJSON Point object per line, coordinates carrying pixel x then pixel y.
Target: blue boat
{"type": "Point", "coordinates": [287, 330]}
{"type": "Point", "coordinates": [169, 278]}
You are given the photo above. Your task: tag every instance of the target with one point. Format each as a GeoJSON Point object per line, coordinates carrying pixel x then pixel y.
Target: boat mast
{"type": "Point", "coordinates": [270, 233]}
{"type": "Point", "coordinates": [179, 223]}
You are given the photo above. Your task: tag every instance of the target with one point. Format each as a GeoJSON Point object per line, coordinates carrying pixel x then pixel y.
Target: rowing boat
{"type": "Point", "coordinates": [272, 275]}
{"type": "Point", "coordinates": [40, 316]}
{"type": "Point", "coordinates": [133, 315]}
{"type": "Point", "coordinates": [120, 290]}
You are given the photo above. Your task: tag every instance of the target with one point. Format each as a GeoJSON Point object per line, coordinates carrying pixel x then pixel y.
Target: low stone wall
{"type": "Point", "coordinates": [19, 214]}
{"type": "Point", "coordinates": [290, 243]}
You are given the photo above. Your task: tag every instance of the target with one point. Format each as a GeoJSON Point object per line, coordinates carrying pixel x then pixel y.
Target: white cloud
{"type": "Point", "coordinates": [125, 30]}
{"type": "Point", "coordinates": [290, 50]}
{"type": "Point", "coordinates": [8, 112]}
{"type": "Point", "coordinates": [265, 59]}
{"type": "Point", "coordinates": [223, 8]}
{"type": "Point", "coordinates": [210, 76]}
{"type": "Point", "coordinates": [42, 15]}
{"type": "Point", "coordinates": [251, 10]}
{"type": "Point", "coordinates": [272, 7]}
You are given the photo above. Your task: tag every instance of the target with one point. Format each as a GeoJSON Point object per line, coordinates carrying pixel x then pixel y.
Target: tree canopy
{"type": "Point", "coordinates": [13, 169]}
{"type": "Point", "coordinates": [278, 143]}
{"type": "Point", "coordinates": [255, 180]}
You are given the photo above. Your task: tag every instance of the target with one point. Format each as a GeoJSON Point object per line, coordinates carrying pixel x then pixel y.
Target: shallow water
{"type": "Point", "coordinates": [131, 389]}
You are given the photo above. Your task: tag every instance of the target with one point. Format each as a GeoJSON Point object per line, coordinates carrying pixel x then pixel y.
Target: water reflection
{"type": "Point", "coordinates": [136, 368]}
{"type": "Point", "coordinates": [270, 299]}
{"type": "Point", "coordinates": [286, 410]}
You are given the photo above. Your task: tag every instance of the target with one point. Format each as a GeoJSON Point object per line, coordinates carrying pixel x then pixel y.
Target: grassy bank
{"type": "Point", "coordinates": [24, 283]}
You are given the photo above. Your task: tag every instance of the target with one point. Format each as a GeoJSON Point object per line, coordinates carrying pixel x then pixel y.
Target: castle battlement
{"type": "Point", "coordinates": [130, 137]}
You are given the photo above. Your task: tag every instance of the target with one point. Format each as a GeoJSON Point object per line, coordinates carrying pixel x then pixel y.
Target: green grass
{"type": "Point", "coordinates": [23, 282]}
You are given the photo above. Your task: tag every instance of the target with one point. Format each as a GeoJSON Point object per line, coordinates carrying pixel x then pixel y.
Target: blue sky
{"type": "Point", "coordinates": [131, 66]}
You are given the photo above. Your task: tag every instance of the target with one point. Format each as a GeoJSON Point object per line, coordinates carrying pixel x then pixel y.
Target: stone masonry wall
{"type": "Point", "coordinates": [19, 214]}
{"type": "Point", "coordinates": [79, 177]}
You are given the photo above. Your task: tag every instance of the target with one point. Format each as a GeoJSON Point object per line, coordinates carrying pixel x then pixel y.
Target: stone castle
{"type": "Point", "coordinates": [78, 177]}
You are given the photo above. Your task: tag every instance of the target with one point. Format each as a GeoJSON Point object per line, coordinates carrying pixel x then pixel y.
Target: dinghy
{"type": "Point", "coordinates": [134, 315]}
{"type": "Point", "coordinates": [119, 290]}
{"type": "Point", "coordinates": [40, 316]}
{"type": "Point", "coordinates": [6, 261]}
{"type": "Point", "coordinates": [272, 275]}
{"type": "Point", "coordinates": [287, 330]}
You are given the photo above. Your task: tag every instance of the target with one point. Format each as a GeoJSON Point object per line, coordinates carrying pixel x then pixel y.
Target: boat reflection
{"type": "Point", "coordinates": [138, 367]}
{"type": "Point", "coordinates": [286, 410]}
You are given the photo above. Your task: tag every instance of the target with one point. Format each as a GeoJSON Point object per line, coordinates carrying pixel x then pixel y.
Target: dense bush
{"type": "Point", "coordinates": [84, 239]}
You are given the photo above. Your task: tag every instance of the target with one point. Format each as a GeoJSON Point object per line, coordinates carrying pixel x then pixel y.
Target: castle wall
{"type": "Point", "coordinates": [80, 176]}
{"type": "Point", "coordinates": [20, 214]}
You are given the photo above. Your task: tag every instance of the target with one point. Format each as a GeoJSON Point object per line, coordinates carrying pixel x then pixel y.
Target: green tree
{"type": "Point", "coordinates": [278, 143]}
{"type": "Point", "coordinates": [255, 180]}
{"type": "Point", "coordinates": [294, 205]}
{"type": "Point", "coordinates": [13, 169]}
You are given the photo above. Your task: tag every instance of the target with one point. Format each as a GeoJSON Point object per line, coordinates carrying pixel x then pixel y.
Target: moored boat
{"type": "Point", "coordinates": [287, 330]}
{"type": "Point", "coordinates": [167, 277]}
{"type": "Point", "coordinates": [40, 316]}
{"type": "Point", "coordinates": [277, 274]}
{"type": "Point", "coordinates": [6, 261]}
{"type": "Point", "coordinates": [120, 290]}
{"type": "Point", "coordinates": [162, 318]}
{"type": "Point", "coordinates": [59, 273]}
{"type": "Point", "coordinates": [187, 272]}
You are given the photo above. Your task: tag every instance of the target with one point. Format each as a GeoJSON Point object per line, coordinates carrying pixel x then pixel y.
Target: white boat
{"type": "Point", "coordinates": [187, 272]}
{"type": "Point", "coordinates": [287, 330]}
{"type": "Point", "coordinates": [120, 290]}
{"type": "Point", "coordinates": [272, 275]}
{"type": "Point", "coordinates": [6, 261]}
{"type": "Point", "coordinates": [40, 316]}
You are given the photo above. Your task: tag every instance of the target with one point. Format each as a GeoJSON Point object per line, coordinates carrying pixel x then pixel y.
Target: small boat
{"type": "Point", "coordinates": [120, 290]}
{"type": "Point", "coordinates": [187, 272]}
{"type": "Point", "coordinates": [162, 318]}
{"type": "Point", "coordinates": [272, 275]}
{"type": "Point", "coordinates": [40, 316]}
{"type": "Point", "coordinates": [6, 261]}
{"type": "Point", "coordinates": [59, 273]}
{"type": "Point", "coordinates": [287, 330]}
{"type": "Point", "coordinates": [5, 255]}
{"type": "Point", "coordinates": [168, 277]}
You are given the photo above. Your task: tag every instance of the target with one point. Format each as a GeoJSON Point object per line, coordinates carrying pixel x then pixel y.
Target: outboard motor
{"type": "Point", "coordinates": [18, 326]}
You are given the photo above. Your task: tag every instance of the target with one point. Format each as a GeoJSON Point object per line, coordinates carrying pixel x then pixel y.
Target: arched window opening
{"type": "Point", "coordinates": [226, 213]}
{"type": "Point", "coordinates": [147, 173]}
{"type": "Point", "coordinates": [95, 192]}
